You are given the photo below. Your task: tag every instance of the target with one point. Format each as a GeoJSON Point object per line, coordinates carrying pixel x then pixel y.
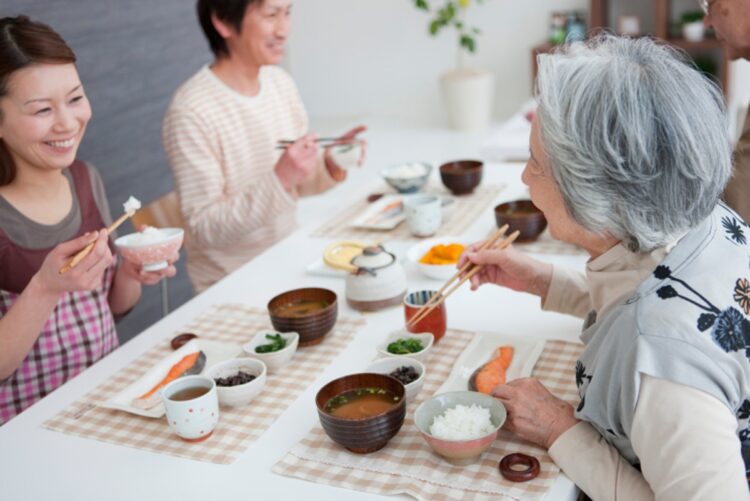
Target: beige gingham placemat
{"type": "Point", "coordinates": [456, 217]}
{"type": "Point", "coordinates": [407, 465]}
{"type": "Point", "coordinates": [238, 426]}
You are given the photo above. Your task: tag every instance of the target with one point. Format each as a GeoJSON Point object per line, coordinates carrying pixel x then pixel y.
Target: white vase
{"type": "Point", "coordinates": [693, 32]}
{"type": "Point", "coordinates": [468, 95]}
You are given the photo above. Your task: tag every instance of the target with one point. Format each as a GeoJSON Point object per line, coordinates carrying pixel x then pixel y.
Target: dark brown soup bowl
{"type": "Point", "coordinates": [312, 327]}
{"type": "Point", "coordinates": [367, 434]}
{"type": "Point", "coordinates": [521, 215]}
{"type": "Point", "coordinates": [461, 176]}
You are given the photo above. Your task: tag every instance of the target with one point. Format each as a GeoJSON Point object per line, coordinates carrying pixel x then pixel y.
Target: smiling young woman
{"type": "Point", "coordinates": [52, 325]}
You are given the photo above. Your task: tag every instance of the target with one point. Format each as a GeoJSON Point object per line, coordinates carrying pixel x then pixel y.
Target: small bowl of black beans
{"type": "Point", "coordinates": [238, 381]}
{"type": "Point", "coordinates": [409, 371]}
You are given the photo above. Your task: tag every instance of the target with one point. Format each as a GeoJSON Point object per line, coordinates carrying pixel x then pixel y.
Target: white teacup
{"type": "Point", "coordinates": [192, 419]}
{"type": "Point", "coordinates": [424, 214]}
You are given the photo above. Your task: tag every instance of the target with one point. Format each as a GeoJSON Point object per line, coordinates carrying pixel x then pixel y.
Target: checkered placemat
{"type": "Point", "coordinates": [238, 426]}
{"type": "Point", "coordinates": [456, 217]}
{"type": "Point", "coordinates": [407, 465]}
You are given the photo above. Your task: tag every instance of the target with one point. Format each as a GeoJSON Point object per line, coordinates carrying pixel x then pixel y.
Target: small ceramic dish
{"type": "Point", "coordinates": [407, 177]}
{"type": "Point", "coordinates": [458, 452]}
{"type": "Point", "coordinates": [244, 393]}
{"type": "Point", "coordinates": [436, 271]}
{"type": "Point", "coordinates": [347, 155]}
{"type": "Point", "coordinates": [310, 311]}
{"type": "Point", "coordinates": [461, 176]}
{"type": "Point", "coordinates": [426, 338]}
{"type": "Point", "coordinates": [274, 360]}
{"type": "Point", "coordinates": [151, 251]}
{"type": "Point", "coordinates": [390, 364]}
{"type": "Point", "coordinates": [367, 434]}
{"type": "Point", "coordinates": [521, 215]}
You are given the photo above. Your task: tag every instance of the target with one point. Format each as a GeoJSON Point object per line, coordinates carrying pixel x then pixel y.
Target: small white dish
{"type": "Point", "coordinates": [274, 360]}
{"type": "Point", "coordinates": [389, 364]}
{"type": "Point", "coordinates": [347, 155]}
{"type": "Point", "coordinates": [440, 272]}
{"type": "Point", "coordinates": [244, 393]}
{"type": "Point", "coordinates": [426, 338]}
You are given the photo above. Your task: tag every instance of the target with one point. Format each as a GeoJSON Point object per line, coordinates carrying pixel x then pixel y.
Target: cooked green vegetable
{"type": "Point", "coordinates": [405, 346]}
{"type": "Point", "coordinates": [277, 343]}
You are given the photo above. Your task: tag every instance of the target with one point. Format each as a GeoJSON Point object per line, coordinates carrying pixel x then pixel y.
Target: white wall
{"type": "Point", "coordinates": [739, 92]}
{"type": "Point", "coordinates": [354, 58]}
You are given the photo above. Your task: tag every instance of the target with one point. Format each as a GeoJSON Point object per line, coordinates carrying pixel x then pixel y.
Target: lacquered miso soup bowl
{"type": "Point", "coordinates": [313, 322]}
{"type": "Point", "coordinates": [367, 434]}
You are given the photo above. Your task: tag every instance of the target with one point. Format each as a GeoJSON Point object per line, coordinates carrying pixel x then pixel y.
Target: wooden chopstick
{"type": "Point", "coordinates": [424, 312]}
{"type": "Point", "coordinates": [435, 297]}
{"type": "Point", "coordinates": [87, 250]}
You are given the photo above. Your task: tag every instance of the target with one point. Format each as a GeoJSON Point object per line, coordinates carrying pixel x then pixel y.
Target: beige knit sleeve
{"type": "Point", "coordinates": [567, 293]}
{"type": "Point", "coordinates": [684, 438]}
{"type": "Point", "coordinates": [214, 218]}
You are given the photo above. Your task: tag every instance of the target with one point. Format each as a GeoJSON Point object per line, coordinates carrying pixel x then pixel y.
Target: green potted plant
{"type": "Point", "coordinates": [468, 92]}
{"type": "Point", "coordinates": [693, 29]}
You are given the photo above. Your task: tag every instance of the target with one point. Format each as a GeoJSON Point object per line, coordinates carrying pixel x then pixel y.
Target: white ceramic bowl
{"type": "Point", "coordinates": [440, 272]}
{"type": "Point", "coordinates": [459, 452]}
{"type": "Point", "coordinates": [347, 155]}
{"type": "Point", "coordinates": [276, 359]}
{"type": "Point", "coordinates": [418, 173]}
{"type": "Point", "coordinates": [244, 393]}
{"type": "Point", "coordinates": [391, 363]}
{"type": "Point", "coordinates": [426, 338]}
{"type": "Point", "coordinates": [152, 255]}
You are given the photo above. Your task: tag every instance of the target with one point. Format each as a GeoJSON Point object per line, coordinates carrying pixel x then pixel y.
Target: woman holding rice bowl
{"type": "Point", "coordinates": [52, 325]}
{"type": "Point", "coordinates": [629, 154]}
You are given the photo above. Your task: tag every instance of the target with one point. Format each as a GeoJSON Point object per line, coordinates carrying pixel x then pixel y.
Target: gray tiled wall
{"type": "Point", "coordinates": [132, 54]}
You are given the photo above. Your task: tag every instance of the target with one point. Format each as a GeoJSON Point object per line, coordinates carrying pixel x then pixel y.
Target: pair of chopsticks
{"type": "Point", "coordinates": [285, 143]}
{"type": "Point", "coordinates": [87, 250]}
{"type": "Point", "coordinates": [442, 293]}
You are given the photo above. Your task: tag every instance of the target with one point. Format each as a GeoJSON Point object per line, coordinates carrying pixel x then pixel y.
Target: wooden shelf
{"type": "Point", "coordinates": [599, 18]}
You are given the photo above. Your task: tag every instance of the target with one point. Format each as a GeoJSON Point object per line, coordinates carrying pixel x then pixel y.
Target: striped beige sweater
{"type": "Point", "coordinates": [221, 149]}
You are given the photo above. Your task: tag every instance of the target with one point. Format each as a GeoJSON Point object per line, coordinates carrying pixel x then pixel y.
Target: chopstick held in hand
{"type": "Point", "coordinates": [426, 309]}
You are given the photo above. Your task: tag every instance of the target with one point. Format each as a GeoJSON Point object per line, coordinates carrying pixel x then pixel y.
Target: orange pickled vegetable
{"type": "Point", "coordinates": [442, 254]}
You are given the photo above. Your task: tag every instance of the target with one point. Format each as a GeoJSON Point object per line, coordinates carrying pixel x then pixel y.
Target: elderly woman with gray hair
{"type": "Point", "coordinates": [629, 155]}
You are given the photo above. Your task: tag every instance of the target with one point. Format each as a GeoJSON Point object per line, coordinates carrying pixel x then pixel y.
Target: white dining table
{"type": "Point", "coordinates": [39, 464]}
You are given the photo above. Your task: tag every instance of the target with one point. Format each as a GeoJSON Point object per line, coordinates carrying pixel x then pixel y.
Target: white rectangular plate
{"type": "Point", "coordinates": [320, 269]}
{"type": "Point", "coordinates": [215, 352]}
{"type": "Point", "coordinates": [378, 215]}
{"type": "Point", "coordinates": [481, 349]}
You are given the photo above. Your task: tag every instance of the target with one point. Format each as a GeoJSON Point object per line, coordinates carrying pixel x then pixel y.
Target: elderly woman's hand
{"type": "Point", "coordinates": [508, 268]}
{"type": "Point", "coordinates": [534, 414]}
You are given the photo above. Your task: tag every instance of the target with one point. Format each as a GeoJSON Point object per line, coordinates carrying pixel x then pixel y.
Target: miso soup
{"type": "Point", "coordinates": [361, 403]}
{"type": "Point", "coordinates": [300, 308]}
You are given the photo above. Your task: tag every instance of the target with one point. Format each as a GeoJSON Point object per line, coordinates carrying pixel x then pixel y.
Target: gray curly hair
{"type": "Point", "coordinates": [637, 138]}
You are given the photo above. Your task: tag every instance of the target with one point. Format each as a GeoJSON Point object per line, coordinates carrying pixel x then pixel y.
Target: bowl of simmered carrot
{"type": "Point", "coordinates": [437, 257]}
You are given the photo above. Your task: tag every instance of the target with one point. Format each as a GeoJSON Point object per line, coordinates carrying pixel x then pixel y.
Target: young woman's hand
{"type": "Point", "coordinates": [298, 161]}
{"type": "Point", "coordinates": [137, 273]}
{"type": "Point", "coordinates": [508, 268]}
{"type": "Point", "coordinates": [86, 275]}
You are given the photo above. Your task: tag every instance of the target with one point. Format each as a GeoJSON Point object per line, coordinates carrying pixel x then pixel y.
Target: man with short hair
{"type": "Point", "coordinates": [730, 20]}
{"type": "Point", "coordinates": [238, 191]}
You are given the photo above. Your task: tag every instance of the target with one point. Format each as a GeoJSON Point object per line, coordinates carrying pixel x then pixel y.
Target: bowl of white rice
{"type": "Point", "coordinates": [407, 177]}
{"type": "Point", "coordinates": [460, 425]}
{"type": "Point", "coordinates": [152, 247]}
